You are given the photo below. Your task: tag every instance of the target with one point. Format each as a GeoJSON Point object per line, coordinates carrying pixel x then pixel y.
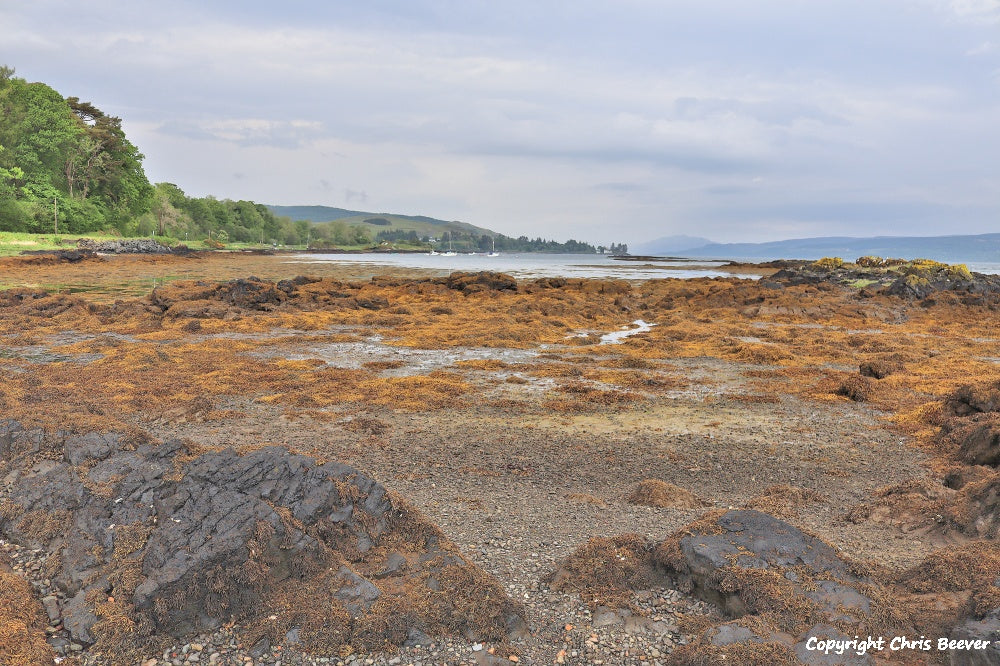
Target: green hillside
{"type": "Point", "coordinates": [422, 232]}
{"type": "Point", "coordinates": [314, 213]}
{"type": "Point", "coordinates": [375, 222]}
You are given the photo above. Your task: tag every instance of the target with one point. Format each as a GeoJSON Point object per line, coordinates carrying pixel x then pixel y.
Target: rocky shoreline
{"type": "Point", "coordinates": [769, 463]}
{"type": "Point", "coordinates": [783, 591]}
{"type": "Point", "coordinates": [917, 279]}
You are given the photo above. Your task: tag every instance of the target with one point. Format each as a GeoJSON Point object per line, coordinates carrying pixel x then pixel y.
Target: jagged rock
{"type": "Point", "coordinates": [166, 542]}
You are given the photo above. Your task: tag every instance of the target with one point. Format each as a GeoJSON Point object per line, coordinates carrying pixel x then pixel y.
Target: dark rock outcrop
{"type": "Point", "coordinates": [914, 280]}
{"type": "Point", "coordinates": [747, 562]}
{"type": "Point", "coordinates": [973, 629]}
{"type": "Point", "coordinates": [152, 542]}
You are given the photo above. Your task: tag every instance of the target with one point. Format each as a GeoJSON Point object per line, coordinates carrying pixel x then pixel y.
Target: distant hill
{"type": "Point", "coordinates": [961, 249]}
{"type": "Point", "coordinates": [670, 244]}
{"type": "Point", "coordinates": [423, 225]}
{"type": "Point", "coordinates": [313, 213]}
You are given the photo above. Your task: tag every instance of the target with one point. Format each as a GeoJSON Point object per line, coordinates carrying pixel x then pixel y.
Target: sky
{"type": "Point", "coordinates": [612, 121]}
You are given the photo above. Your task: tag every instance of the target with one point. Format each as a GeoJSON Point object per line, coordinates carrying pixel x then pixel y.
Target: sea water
{"type": "Point", "coordinates": [534, 265]}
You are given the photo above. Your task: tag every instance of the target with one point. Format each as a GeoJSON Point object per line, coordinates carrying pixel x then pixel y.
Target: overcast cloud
{"type": "Point", "coordinates": [601, 121]}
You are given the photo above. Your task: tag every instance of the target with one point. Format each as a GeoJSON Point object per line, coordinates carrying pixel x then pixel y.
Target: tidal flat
{"type": "Point", "coordinates": [556, 465]}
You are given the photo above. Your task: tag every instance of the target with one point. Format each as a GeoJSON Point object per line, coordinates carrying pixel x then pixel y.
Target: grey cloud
{"type": "Point", "coordinates": [247, 131]}
{"type": "Point", "coordinates": [859, 115]}
{"type": "Point", "coordinates": [620, 187]}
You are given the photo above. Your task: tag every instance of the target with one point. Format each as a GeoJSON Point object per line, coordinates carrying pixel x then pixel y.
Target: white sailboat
{"type": "Point", "coordinates": [493, 252]}
{"type": "Point", "coordinates": [450, 252]}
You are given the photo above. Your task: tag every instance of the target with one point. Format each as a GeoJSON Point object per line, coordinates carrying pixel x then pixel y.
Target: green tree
{"type": "Point", "coordinates": [67, 153]}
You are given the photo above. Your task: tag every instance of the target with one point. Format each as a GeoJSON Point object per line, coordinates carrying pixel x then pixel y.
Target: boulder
{"type": "Point", "coordinates": [156, 542]}
{"type": "Point", "coordinates": [719, 558]}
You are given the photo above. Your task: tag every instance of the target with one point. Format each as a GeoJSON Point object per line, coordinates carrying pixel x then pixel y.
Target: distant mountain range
{"type": "Point", "coordinates": [670, 245]}
{"type": "Point", "coordinates": [978, 248]}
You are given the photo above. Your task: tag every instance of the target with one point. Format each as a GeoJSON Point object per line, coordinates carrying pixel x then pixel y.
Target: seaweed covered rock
{"type": "Point", "coordinates": [780, 587]}
{"type": "Point", "coordinates": [955, 593]}
{"type": "Point", "coordinates": [607, 570]}
{"type": "Point", "coordinates": [790, 597]}
{"type": "Point", "coordinates": [879, 368]}
{"type": "Point", "coordinates": [912, 280]}
{"type": "Point", "coordinates": [150, 543]}
{"type": "Point", "coordinates": [974, 509]}
{"type": "Point", "coordinates": [737, 642]}
{"type": "Point", "coordinates": [22, 623]}
{"type": "Point", "coordinates": [975, 440]}
{"type": "Point", "coordinates": [972, 399]}
{"type": "Point", "coordinates": [191, 298]}
{"type": "Point", "coordinates": [482, 281]}
{"type": "Point", "coordinates": [660, 494]}
{"type": "Point", "coordinates": [203, 299]}
{"type": "Point", "coordinates": [746, 561]}
{"type": "Point", "coordinates": [49, 257]}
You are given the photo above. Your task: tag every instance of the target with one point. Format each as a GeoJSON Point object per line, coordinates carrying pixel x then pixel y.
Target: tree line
{"type": "Point", "coordinates": [472, 242]}
{"type": "Point", "coordinates": [67, 167]}
{"type": "Point", "coordinates": [176, 215]}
